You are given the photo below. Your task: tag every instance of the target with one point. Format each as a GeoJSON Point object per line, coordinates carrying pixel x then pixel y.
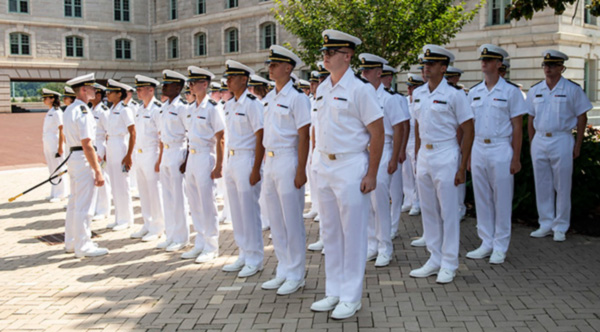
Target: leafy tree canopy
{"type": "Point", "coordinates": [526, 8]}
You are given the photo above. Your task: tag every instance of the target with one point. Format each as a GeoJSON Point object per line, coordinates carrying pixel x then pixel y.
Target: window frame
{"type": "Point", "coordinates": [75, 38]}
{"type": "Point", "coordinates": [170, 41]}
{"type": "Point", "coordinates": [123, 42]}
{"type": "Point", "coordinates": [20, 44]}
{"type": "Point", "coordinates": [18, 4]}
{"type": "Point", "coordinates": [263, 36]}
{"type": "Point", "coordinates": [200, 4]}
{"type": "Point", "coordinates": [228, 4]}
{"type": "Point", "coordinates": [228, 40]}
{"type": "Point", "coordinates": [121, 10]}
{"type": "Point", "coordinates": [173, 13]}
{"type": "Point", "coordinates": [73, 6]}
{"type": "Point", "coordinates": [197, 44]}
{"type": "Point", "coordinates": [501, 14]}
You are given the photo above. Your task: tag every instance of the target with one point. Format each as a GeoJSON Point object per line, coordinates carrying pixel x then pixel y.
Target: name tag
{"type": "Point", "coordinates": [560, 96]}
{"type": "Point", "coordinates": [201, 117]}
{"type": "Point", "coordinates": [340, 98]}
{"type": "Point", "coordinates": [117, 113]}
{"type": "Point", "coordinates": [477, 98]}
{"type": "Point", "coordinates": [443, 102]}
{"type": "Point", "coordinates": [173, 113]}
{"type": "Point", "coordinates": [539, 96]}
{"type": "Point", "coordinates": [417, 100]}
{"type": "Point", "coordinates": [282, 106]}
{"type": "Point", "coordinates": [146, 116]}
{"type": "Point", "coordinates": [240, 114]}
{"type": "Point", "coordinates": [498, 99]}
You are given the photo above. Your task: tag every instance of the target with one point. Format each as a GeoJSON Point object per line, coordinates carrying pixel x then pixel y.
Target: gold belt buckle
{"type": "Point", "coordinates": [429, 146]}
{"type": "Point", "coordinates": [487, 141]}
{"type": "Point", "coordinates": [548, 134]}
{"type": "Point", "coordinates": [166, 146]}
{"type": "Point", "coordinates": [331, 156]}
{"type": "Point", "coordinates": [270, 153]}
{"type": "Point", "coordinates": [139, 150]}
{"type": "Point", "coordinates": [193, 151]}
{"type": "Point", "coordinates": [231, 152]}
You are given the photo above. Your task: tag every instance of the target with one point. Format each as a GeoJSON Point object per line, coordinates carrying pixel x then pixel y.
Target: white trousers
{"type": "Point", "coordinates": [245, 211]}
{"type": "Point", "coordinates": [116, 149]}
{"type": "Point", "coordinates": [133, 184]}
{"type": "Point", "coordinates": [409, 183]}
{"type": "Point", "coordinates": [396, 194]}
{"type": "Point", "coordinates": [493, 189]}
{"type": "Point", "coordinates": [78, 235]}
{"type": "Point", "coordinates": [344, 220]}
{"type": "Point", "coordinates": [171, 178]}
{"type": "Point", "coordinates": [150, 190]}
{"type": "Point", "coordinates": [553, 170]}
{"type": "Point", "coordinates": [380, 222]}
{"type": "Point", "coordinates": [50, 150]}
{"type": "Point", "coordinates": [314, 194]}
{"type": "Point", "coordinates": [262, 203]}
{"type": "Point", "coordinates": [200, 190]}
{"type": "Point", "coordinates": [436, 169]}
{"type": "Point", "coordinates": [285, 204]}
{"type": "Point", "coordinates": [102, 203]}
{"type": "Point", "coordinates": [312, 181]}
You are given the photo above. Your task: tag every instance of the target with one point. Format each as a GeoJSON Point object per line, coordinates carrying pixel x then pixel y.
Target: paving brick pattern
{"type": "Point", "coordinates": [543, 286]}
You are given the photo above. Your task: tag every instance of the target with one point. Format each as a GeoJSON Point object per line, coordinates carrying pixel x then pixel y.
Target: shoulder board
{"type": "Point", "coordinates": [357, 75]}
{"type": "Point", "coordinates": [83, 109]}
{"type": "Point", "coordinates": [104, 107]}
{"type": "Point", "coordinates": [319, 98]}
{"type": "Point", "coordinates": [183, 101]}
{"type": "Point", "coordinates": [160, 112]}
{"type": "Point", "coordinates": [475, 85]}
{"type": "Point", "coordinates": [536, 83]}
{"type": "Point", "coordinates": [400, 93]}
{"type": "Point", "coordinates": [511, 83]}
{"type": "Point", "coordinates": [574, 83]}
{"type": "Point", "coordinates": [251, 96]}
{"type": "Point", "coordinates": [212, 102]}
{"type": "Point", "coordinates": [390, 91]}
{"type": "Point", "coordinates": [158, 103]}
{"type": "Point", "coordinates": [266, 104]}
{"type": "Point", "coordinates": [455, 86]}
{"type": "Point", "coordinates": [297, 89]}
{"type": "Point", "coordinates": [134, 102]}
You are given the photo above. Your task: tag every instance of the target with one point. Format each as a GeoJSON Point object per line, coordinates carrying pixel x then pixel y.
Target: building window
{"type": "Point", "coordinates": [74, 47]}
{"type": "Point", "coordinates": [156, 50]}
{"type": "Point", "coordinates": [496, 15]}
{"type": "Point", "coordinates": [590, 79]}
{"type": "Point", "coordinates": [172, 9]}
{"type": "Point", "coordinates": [173, 47]}
{"type": "Point", "coordinates": [588, 18]}
{"type": "Point", "coordinates": [72, 8]}
{"type": "Point", "coordinates": [19, 44]}
{"type": "Point", "coordinates": [231, 41]}
{"type": "Point", "coordinates": [123, 49]}
{"type": "Point", "coordinates": [200, 7]}
{"type": "Point", "coordinates": [231, 4]}
{"type": "Point", "coordinates": [267, 35]}
{"type": "Point", "coordinates": [122, 10]}
{"type": "Point", "coordinates": [18, 6]}
{"type": "Point", "coordinates": [200, 40]}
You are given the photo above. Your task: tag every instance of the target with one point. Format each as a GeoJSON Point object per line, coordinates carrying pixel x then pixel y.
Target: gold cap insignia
{"type": "Point", "coordinates": [164, 76]}
{"type": "Point", "coordinates": [271, 53]}
{"type": "Point", "coordinates": [485, 50]}
{"type": "Point", "coordinates": [326, 38]}
{"type": "Point", "coordinates": [547, 55]}
{"type": "Point", "coordinates": [363, 60]}
{"type": "Point", "coordinates": [427, 52]}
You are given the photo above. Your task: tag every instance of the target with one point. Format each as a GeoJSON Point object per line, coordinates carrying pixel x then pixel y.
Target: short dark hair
{"type": "Point", "coordinates": [123, 94]}
{"type": "Point", "coordinates": [55, 102]}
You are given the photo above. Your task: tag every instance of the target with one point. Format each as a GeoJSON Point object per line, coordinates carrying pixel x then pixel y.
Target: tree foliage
{"type": "Point", "coordinates": [526, 8]}
{"type": "Point", "coordinates": [394, 29]}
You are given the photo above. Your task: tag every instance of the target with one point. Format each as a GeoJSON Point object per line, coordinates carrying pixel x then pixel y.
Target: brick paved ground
{"type": "Point", "coordinates": [543, 286]}
{"type": "Point", "coordinates": [21, 139]}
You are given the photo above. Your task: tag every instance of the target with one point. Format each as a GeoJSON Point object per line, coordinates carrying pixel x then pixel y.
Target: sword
{"type": "Point", "coordinates": [37, 185]}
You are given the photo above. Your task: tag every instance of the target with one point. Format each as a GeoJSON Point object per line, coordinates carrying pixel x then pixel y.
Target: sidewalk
{"type": "Point", "coordinates": [543, 286]}
{"type": "Point", "coordinates": [21, 140]}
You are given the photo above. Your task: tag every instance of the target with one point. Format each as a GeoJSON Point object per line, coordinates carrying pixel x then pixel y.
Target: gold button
{"type": "Point", "coordinates": [548, 134]}
{"type": "Point", "coordinates": [139, 150]}
{"type": "Point", "coordinates": [429, 146]}
{"type": "Point", "coordinates": [231, 152]}
{"type": "Point", "coordinates": [193, 151]}
{"type": "Point", "coordinates": [271, 154]}
{"type": "Point", "coordinates": [166, 146]}
{"type": "Point", "coordinates": [487, 141]}
{"type": "Point", "coordinates": [331, 157]}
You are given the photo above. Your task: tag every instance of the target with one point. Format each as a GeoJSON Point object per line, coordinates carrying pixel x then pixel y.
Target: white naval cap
{"type": "Point", "coordinates": [49, 93]}
{"type": "Point", "coordinates": [116, 86]}
{"type": "Point", "coordinates": [256, 80]}
{"type": "Point", "coordinates": [505, 64]}
{"type": "Point", "coordinates": [197, 73]}
{"type": "Point", "coordinates": [236, 68]}
{"type": "Point", "coordinates": [334, 39]}
{"type": "Point", "coordinates": [322, 71]}
{"type": "Point", "coordinates": [434, 53]}
{"type": "Point", "coordinates": [369, 61]}
{"type": "Point", "coordinates": [281, 54]}
{"type": "Point", "coordinates": [99, 87]}
{"type": "Point", "coordinates": [388, 71]}
{"type": "Point", "coordinates": [554, 56]}
{"type": "Point", "coordinates": [87, 79]}
{"type": "Point", "coordinates": [171, 76]}
{"type": "Point", "coordinates": [294, 77]}
{"type": "Point", "coordinates": [453, 71]}
{"type": "Point", "coordinates": [271, 84]}
{"type": "Point", "coordinates": [69, 92]}
{"type": "Point", "coordinates": [303, 84]}
{"type": "Point", "coordinates": [214, 87]}
{"type": "Point", "coordinates": [141, 80]}
{"type": "Point", "coordinates": [224, 86]}
{"type": "Point", "coordinates": [129, 88]}
{"type": "Point", "coordinates": [420, 61]}
{"type": "Point", "coordinates": [314, 76]}
{"type": "Point", "coordinates": [490, 51]}
{"type": "Point", "coordinates": [414, 79]}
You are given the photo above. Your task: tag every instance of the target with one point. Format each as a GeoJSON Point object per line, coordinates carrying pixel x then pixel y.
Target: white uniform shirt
{"type": "Point", "coordinates": [494, 109]}
{"type": "Point", "coordinates": [411, 134]}
{"type": "Point", "coordinates": [204, 121]}
{"type": "Point", "coordinates": [284, 113]}
{"type": "Point", "coordinates": [100, 113]}
{"type": "Point", "coordinates": [52, 120]}
{"type": "Point", "coordinates": [172, 121]}
{"type": "Point", "coordinates": [441, 112]}
{"type": "Point", "coordinates": [119, 119]}
{"type": "Point", "coordinates": [393, 111]}
{"type": "Point", "coordinates": [557, 109]}
{"type": "Point", "coordinates": [344, 112]}
{"type": "Point", "coordinates": [79, 124]}
{"type": "Point", "coordinates": [146, 125]}
{"type": "Point", "coordinates": [243, 117]}
{"type": "Point", "coordinates": [313, 116]}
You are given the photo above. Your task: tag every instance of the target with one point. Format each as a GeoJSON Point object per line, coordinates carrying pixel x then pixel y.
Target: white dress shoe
{"type": "Point", "coordinates": [93, 252]}
{"type": "Point", "coordinates": [290, 286]}
{"type": "Point", "coordinates": [371, 256]}
{"type": "Point", "coordinates": [497, 257]}
{"type": "Point", "coordinates": [405, 208]}
{"type": "Point", "coordinates": [273, 283]}
{"type": "Point", "coordinates": [316, 246]}
{"type": "Point", "coordinates": [317, 218]}
{"type": "Point", "coordinates": [445, 276]}
{"type": "Point", "coordinates": [382, 260]}
{"type": "Point", "coordinates": [175, 246]}
{"type": "Point", "coordinates": [266, 228]}
{"type": "Point", "coordinates": [559, 236]}
{"type": "Point", "coordinates": [121, 227]}
{"type": "Point", "coordinates": [420, 242]}
{"type": "Point", "coordinates": [424, 271]}
{"type": "Point", "coordinates": [541, 232]}
{"type": "Point", "coordinates": [194, 253]}
{"type": "Point", "coordinates": [55, 200]}
{"type": "Point", "coordinates": [98, 217]}
{"type": "Point", "coordinates": [325, 304]}
{"type": "Point", "coordinates": [207, 256]}
{"type": "Point", "coordinates": [139, 234]}
{"type": "Point", "coordinates": [69, 250]}
{"type": "Point", "coordinates": [479, 253]}
{"type": "Point", "coordinates": [414, 211]}
{"type": "Point", "coordinates": [163, 245]}
{"type": "Point", "coordinates": [345, 310]}
{"type": "Point", "coordinates": [309, 215]}
{"type": "Point", "coordinates": [235, 267]}
{"type": "Point", "coordinates": [112, 225]}
{"type": "Point", "coordinates": [151, 237]}
{"type": "Point", "coordinates": [249, 270]}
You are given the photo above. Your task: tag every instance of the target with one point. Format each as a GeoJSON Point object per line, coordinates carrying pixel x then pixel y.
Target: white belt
{"type": "Point", "coordinates": [119, 136]}
{"type": "Point", "coordinates": [552, 134]}
{"type": "Point", "coordinates": [439, 145]}
{"type": "Point", "coordinates": [172, 145]}
{"type": "Point", "coordinates": [280, 151]}
{"type": "Point", "coordinates": [233, 152]}
{"type": "Point", "coordinates": [339, 156]}
{"type": "Point", "coordinates": [198, 148]}
{"type": "Point", "coordinates": [147, 149]}
{"type": "Point", "coordinates": [490, 140]}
